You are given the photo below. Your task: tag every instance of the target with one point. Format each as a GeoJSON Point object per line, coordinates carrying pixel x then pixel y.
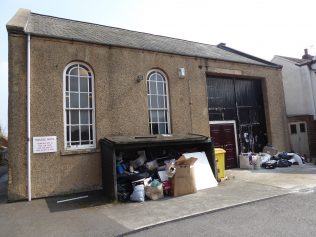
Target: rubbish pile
{"type": "Point", "coordinates": [174, 174]}
{"type": "Point", "coordinates": [269, 158]}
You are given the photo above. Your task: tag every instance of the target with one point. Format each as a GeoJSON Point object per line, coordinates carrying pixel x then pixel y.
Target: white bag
{"type": "Point", "coordinates": [138, 194]}
{"type": "Point", "coordinates": [244, 161]}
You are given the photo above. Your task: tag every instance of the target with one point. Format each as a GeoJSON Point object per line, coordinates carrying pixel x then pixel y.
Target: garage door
{"type": "Point", "coordinates": [240, 100]}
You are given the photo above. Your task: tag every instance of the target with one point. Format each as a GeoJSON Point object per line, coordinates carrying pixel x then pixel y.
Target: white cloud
{"type": "Point", "coordinates": [4, 95]}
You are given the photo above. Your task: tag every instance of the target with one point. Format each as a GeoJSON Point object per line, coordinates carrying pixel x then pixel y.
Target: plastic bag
{"type": "Point", "coordinates": [298, 159]}
{"type": "Point", "coordinates": [154, 191]}
{"type": "Point", "coordinates": [170, 168]}
{"type": "Point", "coordinates": [138, 194]}
{"type": "Point", "coordinates": [264, 157]}
{"type": "Point", "coordinates": [140, 160]}
{"type": "Point", "coordinates": [152, 165]}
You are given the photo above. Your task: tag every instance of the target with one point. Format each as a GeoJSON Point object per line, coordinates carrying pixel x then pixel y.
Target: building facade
{"type": "Point", "coordinates": [299, 81]}
{"type": "Point", "coordinates": [88, 81]}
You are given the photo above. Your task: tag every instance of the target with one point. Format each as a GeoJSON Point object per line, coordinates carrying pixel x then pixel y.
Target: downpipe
{"type": "Point", "coordinates": [29, 189]}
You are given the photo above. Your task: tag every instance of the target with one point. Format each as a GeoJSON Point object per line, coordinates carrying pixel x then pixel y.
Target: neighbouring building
{"type": "Point", "coordinates": [4, 141]}
{"type": "Point", "coordinates": [299, 82]}
{"type": "Point", "coordinates": [88, 81]}
{"type": "Point", "coordinates": [3, 149]}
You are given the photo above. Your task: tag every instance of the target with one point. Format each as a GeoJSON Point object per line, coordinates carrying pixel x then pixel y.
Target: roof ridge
{"type": "Point", "coordinates": [288, 57]}
{"type": "Point", "coordinates": [119, 28]}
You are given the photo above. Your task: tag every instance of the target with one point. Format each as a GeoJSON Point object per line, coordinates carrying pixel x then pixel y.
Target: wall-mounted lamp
{"type": "Point", "coordinates": [139, 78]}
{"type": "Point", "coordinates": [181, 72]}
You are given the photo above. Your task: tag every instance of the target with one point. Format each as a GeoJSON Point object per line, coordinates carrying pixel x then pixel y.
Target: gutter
{"type": "Point", "coordinates": [224, 47]}
{"type": "Point", "coordinates": [28, 59]}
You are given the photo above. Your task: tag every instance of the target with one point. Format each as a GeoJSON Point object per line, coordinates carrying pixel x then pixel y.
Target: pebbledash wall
{"type": "Point", "coordinates": [120, 105]}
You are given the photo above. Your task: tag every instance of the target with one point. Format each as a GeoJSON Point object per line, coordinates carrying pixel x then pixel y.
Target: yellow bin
{"type": "Point", "coordinates": [220, 162]}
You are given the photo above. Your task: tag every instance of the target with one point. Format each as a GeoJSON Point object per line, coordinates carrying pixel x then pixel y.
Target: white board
{"type": "Point", "coordinates": [204, 177]}
{"type": "Point", "coordinates": [44, 144]}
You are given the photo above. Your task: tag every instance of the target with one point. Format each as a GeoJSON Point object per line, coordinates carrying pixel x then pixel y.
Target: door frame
{"type": "Point", "coordinates": [235, 131]}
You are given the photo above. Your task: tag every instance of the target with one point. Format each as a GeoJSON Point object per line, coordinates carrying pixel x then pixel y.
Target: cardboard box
{"type": "Point", "coordinates": [183, 182]}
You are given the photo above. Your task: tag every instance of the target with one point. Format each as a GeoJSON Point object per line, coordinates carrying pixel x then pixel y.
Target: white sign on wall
{"type": "Point", "coordinates": [44, 144]}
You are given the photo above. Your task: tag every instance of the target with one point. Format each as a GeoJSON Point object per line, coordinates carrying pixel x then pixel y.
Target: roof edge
{"type": "Point", "coordinates": [268, 63]}
{"type": "Point", "coordinates": [19, 21]}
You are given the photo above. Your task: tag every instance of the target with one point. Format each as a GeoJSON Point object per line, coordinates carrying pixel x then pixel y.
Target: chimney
{"type": "Point", "coordinates": [221, 44]}
{"type": "Point", "coordinates": [306, 55]}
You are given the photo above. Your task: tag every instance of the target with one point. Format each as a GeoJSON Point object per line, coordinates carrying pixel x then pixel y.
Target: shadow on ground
{"type": "Point", "coordinates": [76, 201]}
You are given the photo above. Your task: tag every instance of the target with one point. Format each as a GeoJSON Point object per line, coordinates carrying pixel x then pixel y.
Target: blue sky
{"type": "Point", "coordinates": [263, 28]}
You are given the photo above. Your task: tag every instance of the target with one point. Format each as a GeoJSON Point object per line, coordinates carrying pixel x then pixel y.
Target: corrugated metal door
{"type": "Point", "coordinates": [240, 100]}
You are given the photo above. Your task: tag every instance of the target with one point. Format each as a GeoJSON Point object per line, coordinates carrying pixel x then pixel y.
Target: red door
{"type": "Point", "coordinates": [223, 136]}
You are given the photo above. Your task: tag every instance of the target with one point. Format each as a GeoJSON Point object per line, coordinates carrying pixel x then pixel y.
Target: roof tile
{"type": "Point", "coordinates": [87, 32]}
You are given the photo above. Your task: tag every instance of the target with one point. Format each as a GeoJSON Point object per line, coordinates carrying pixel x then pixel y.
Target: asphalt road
{"type": "Point", "coordinates": [289, 215]}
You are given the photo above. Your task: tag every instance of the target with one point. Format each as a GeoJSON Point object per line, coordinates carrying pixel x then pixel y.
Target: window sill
{"type": "Point", "coordinates": [79, 152]}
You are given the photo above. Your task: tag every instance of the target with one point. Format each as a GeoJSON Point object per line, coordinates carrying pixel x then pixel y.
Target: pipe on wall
{"type": "Point", "coordinates": [29, 190]}
{"type": "Point", "coordinates": [311, 72]}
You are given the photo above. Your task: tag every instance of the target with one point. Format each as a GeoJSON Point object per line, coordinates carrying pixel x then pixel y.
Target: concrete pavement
{"type": "Point", "coordinates": [291, 215]}
{"type": "Point", "coordinates": [292, 178]}
{"type": "Point", "coordinates": [84, 217]}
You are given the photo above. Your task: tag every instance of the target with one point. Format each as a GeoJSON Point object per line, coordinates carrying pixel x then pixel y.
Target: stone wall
{"type": "Point", "coordinates": [120, 105]}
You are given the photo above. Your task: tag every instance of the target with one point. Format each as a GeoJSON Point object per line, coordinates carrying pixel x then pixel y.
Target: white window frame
{"type": "Point", "coordinates": [167, 109]}
{"type": "Point", "coordinates": [86, 146]}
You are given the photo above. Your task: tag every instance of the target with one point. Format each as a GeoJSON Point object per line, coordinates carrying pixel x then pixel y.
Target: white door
{"type": "Point", "coordinates": [299, 138]}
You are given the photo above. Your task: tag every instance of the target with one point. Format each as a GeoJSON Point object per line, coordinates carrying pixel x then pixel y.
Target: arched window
{"type": "Point", "coordinates": [158, 103]}
{"type": "Point", "coordinates": [79, 107]}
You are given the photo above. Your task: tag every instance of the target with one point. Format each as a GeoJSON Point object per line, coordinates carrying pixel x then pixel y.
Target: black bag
{"type": "Point", "coordinates": [284, 156]}
{"type": "Point", "coordinates": [275, 158]}
{"type": "Point", "coordinates": [284, 163]}
{"type": "Point", "coordinates": [271, 164]}
{"type": "Point", "coordinates": [124, 188]}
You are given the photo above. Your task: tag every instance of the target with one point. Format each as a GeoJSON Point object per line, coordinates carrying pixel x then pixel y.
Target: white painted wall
{"type": "Point", "coordinates": [299, 85]}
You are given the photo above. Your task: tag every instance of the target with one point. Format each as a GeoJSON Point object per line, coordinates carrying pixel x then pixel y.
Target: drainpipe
{"type": "Point", "coordinates": [313, 92]}
{"type": "Point", "coordinates": [312, 74]}
{"type": "Point", "coordinates": [29, 191]}
{"type": "Point", "coordinates": [190, 102]}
